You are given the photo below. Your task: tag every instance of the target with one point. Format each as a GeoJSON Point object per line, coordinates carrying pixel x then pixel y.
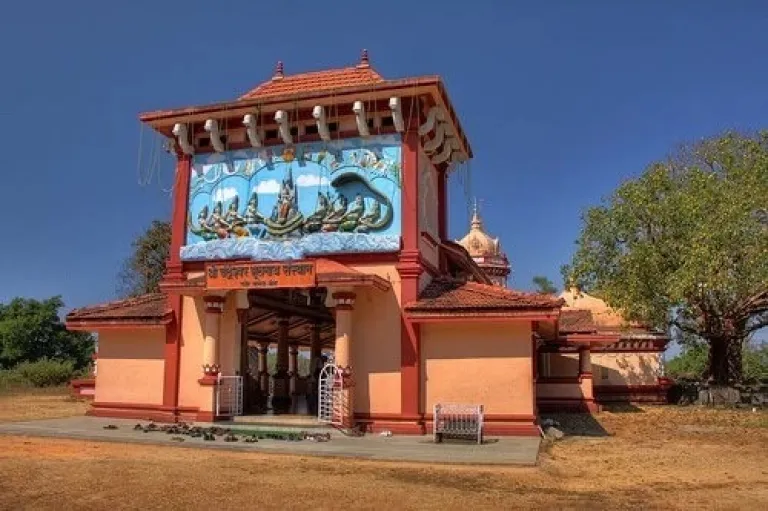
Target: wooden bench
{"type": "Point", "coordinates": [458, 421]}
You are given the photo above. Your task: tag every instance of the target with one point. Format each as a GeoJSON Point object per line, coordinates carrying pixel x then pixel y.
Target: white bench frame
{"type": "Point", "coordinates": [457, 420]}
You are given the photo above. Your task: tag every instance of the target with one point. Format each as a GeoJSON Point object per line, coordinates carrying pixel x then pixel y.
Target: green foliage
{"type": "Point", "coordinates": [544, 285]}
{"type": "Point", "coordinates": [12, 379]}
{"type": "Point", "coordinates": [686, 244]}
{"type": "Point", "coordinates": [46, 372]}
{"type": "Point", "coordinates": [691, 363]}
{"type": "Point", "coordinates": [32, 329]}
{"type": "Point", "coordinates": [144, 269]}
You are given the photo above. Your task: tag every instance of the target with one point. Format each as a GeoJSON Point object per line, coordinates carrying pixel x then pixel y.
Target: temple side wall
{"type": "Point", "coordinates": [478, 363]}
{"type": "Point", "coordinates": [562, 365]}
{"type": "Point", "coordinates": [375, 344]}
{"type": "Point", "coordinates": [626, 368]}
{"type": "Point", "coordinates": [131, 365]}
{"type": "Point", "coordinates": [191, 363]}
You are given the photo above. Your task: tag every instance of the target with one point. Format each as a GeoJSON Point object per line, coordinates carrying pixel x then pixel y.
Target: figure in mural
{"type": "Point", "coordinates": [252, 216]}
{"type": "Point", "coordinates": [350, 219]}
{"type": "Point", "coordinates": [315, 221]}
{"type": "Point", "coordinates": [286, 218]}
{"type": "Point", "coordinates": [202, 229]}
{"type": "Point", "coordinates": [333, 219]}
{"type": "Point", "coordinates": [235, 223]}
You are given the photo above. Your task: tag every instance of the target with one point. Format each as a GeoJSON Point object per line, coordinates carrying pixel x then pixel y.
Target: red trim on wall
{"type": "Point", "coordinates": [180, 206]}
{"type": "Point", "coordinates": [143, 411]}
{"type": "Point", "coordinates": [347, 259]}
{"type": "Point", "coordinates": [410, 269]}
{"type": "Point", "coordinates": [477, 317]}
{"type": "Point", "coordinates": [99, 326]}
{"type": "Point", "coordinates": [84, 388]}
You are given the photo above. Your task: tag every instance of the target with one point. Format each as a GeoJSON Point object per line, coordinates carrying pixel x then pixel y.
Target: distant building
{"type": "Point", "coordinates": [486, 251]}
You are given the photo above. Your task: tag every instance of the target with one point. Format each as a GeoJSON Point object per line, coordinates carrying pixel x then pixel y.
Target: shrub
{"type": "Point", "coordinates": [46, 372]}
{"type": "Point", "coordinates": [11, 379]}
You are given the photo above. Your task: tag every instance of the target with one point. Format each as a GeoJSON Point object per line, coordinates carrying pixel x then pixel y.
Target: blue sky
{"type": "Point", "coordinates": [561, 102]}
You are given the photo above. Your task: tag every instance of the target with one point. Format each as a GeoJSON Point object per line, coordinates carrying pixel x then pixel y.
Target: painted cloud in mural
{"type": "Point", "coordinates": [315, 196]}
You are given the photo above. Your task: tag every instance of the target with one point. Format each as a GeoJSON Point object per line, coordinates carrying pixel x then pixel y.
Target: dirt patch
{"type": "Point", "coordinates": [651, 458]}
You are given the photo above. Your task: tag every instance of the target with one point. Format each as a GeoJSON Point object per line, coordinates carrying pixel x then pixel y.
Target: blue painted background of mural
{"type": "Point", "coordinates": [288, 202]}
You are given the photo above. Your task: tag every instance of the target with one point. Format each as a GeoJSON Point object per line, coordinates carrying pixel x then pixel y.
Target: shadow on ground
{"type": "Point", "coordinates": [576, 424]}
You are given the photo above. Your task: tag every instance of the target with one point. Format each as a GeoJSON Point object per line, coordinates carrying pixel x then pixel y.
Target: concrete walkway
{"type": "Point", "coordinates": [496, 451]}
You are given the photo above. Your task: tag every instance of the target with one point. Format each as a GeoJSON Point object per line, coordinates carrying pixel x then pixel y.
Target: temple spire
{"type": "Point", "coordinates": [477, 222]}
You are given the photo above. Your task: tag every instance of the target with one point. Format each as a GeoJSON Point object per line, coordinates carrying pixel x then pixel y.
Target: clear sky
{"type": "Point", "coordinates": [561, 102]}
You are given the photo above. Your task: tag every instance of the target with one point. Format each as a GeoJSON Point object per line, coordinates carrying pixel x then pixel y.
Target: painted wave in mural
{"type": "Point", "coordinates": [311, 198]}
{"type": "Point", "coordinates": [309, 245]}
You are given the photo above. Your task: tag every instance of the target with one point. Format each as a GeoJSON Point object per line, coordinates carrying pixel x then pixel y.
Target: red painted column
{"type": "Point", "coordinates": [410, 269]}
{"type": "Point", "coordinates": [174, 271]}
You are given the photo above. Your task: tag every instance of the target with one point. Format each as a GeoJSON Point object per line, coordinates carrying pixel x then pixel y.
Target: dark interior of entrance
{"type": "Point", "coordinates": [287, 335]}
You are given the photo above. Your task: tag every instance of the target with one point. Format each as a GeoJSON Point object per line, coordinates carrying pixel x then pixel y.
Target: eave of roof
{"type": "Point", "coordinates": [148, 310]}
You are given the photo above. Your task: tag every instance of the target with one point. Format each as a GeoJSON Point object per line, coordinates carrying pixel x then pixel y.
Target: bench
{"type": "Point", "coordinates": [458, 421]}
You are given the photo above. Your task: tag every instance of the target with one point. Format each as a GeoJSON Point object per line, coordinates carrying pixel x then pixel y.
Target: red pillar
{"type": "Point", "coordinates": [409, 268]}
{"type": "Point", "coordinates": [174, 271]}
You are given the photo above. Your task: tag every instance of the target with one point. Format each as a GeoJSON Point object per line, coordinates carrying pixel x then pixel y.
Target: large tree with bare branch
{"type": "Point", "coordinates": [685, 246]}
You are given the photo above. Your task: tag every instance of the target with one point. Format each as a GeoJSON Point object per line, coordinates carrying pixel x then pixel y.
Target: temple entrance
{"type": "Point", "coordinates": [287, 337]}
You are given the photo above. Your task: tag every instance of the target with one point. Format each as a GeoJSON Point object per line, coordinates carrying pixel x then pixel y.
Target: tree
{"type": "Point", "coordinates": [31, 330]}
{"type": "Point", "coordinates": [686, 246]}
{"type": "Point", "coordinates": [692, 361]}
{"type": "Point", "coordinates": [144, 269]}
{"type": "Point", "coordinates": [544, 285]}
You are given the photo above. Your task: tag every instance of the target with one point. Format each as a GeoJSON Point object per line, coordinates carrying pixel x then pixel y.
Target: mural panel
{"type": "Point", "coordinates": [289, 202]}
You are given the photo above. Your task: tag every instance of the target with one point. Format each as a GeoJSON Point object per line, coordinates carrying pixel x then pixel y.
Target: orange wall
{"type": "Point", "coordinates": [229, 338]}
{"type": "Point", "coordinates": [375, 345]}
{"type": "Point", "coordinates": [131, 366]}
{"type": "Point", "coordinates": [626, 368]}
{"type": "Point", "coordinates": [478, 363]}
{"type": "Point", "coordinates": [191, 366]}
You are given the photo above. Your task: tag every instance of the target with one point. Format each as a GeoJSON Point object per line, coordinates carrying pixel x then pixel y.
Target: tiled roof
{"type": "Point", "coordinates": [443, 295]}
{"type": "Point", "coordinates": [330, 79]}
{"type": "Point", "coordinates": [148, 308]}
{"type": "Point", "coordinates": [576, 321]}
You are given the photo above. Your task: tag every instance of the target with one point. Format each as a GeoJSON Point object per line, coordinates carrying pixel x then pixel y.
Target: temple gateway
{"type": "Point", "coordinates": [311, 273]}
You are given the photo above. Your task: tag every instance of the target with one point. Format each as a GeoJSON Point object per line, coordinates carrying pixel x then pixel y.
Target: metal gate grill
{"type": "Point", "coordinates": [329, 394]}
{"type": "Point", "coordinates": [229, 396]}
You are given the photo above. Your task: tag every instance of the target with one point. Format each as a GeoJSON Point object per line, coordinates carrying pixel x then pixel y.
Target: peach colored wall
{"type": "Point", "coordinates": [563, 364]}
{"type": "Point", "coordinates": [478, 363]}
{"type": "Point", "coordinates": [375, 346]}
{"type": "Point", "coordinates": [191, 351]}
{"type": "Point", "coordinates": [131, 366]}
{"type": "Point", "coordinates": [229, 337]}
{"type": "Point", "coordinates": [386, 271]}
{"type": "Point", "coordinates": [558, 390]}
{"type": "Point", "coordinates": [626, 368]}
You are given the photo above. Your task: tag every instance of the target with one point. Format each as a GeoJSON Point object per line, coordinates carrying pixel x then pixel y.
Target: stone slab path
{"type": "Point", "coordinates": [496, 451]}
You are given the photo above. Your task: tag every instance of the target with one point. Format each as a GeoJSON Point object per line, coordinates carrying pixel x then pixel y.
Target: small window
{"type": "Point", "coordinates": [270, 134]}
{"type": "Point", "coordinates": [310, 129]}
{"type": "Point", "coordinates": [387, 122]}
{"type": "Point", "coordinates": [295, 131]}
{"type": "Point", "coordinates": [204, 142]}
{"type": "Point", "coordinates": [333, 126]}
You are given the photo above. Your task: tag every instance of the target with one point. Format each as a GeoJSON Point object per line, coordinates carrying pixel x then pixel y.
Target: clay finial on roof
{"type": "Point", "coordinates": [278, 71]}
{"type": "Point", "coordinates": [364, 59]}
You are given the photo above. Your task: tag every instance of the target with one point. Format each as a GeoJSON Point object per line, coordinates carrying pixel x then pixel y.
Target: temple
{"type": "Point", "coordinates": [310, 273]}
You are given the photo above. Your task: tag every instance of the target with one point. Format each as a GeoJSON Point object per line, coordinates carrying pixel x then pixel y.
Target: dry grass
{"type": "Point", "coordinates": [658, 458]}
{"type": "Point", "coordinates": [30, 404]}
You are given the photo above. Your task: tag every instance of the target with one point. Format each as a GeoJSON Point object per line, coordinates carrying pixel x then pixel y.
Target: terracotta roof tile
{"type": "Point", "coordinates": [145, 308]}
{"type": "Point", "coordinates": [443, 295]}
{"type": "Point", "coordinates": [576, 321]}
{"type": "Point", "coordinates": [327, 80]}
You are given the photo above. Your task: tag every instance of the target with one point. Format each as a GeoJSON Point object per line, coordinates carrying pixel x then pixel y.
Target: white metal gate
{"type": "Point", "coordinates": [229, 396]}
{"type": "Point", "coordinates": [329, 395]}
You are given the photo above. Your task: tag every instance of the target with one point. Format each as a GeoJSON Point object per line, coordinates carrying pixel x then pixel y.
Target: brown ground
{"type": "Point", "coordinates": [656, 458]}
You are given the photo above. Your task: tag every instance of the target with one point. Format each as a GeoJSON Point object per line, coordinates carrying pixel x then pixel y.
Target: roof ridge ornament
{"type": "Point", "coordinates": [278, 71]}
{"type": "Point", "coordinates": [364, 62]}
